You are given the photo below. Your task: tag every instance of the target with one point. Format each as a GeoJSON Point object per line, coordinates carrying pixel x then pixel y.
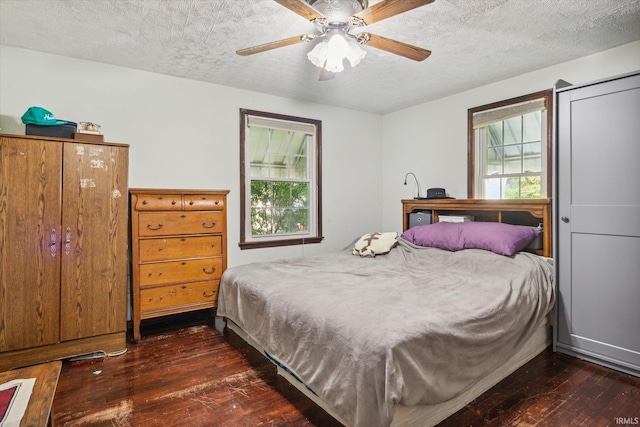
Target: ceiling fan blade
{"type": "Point", "coordinates": [388, 8]}
{"type": "Point", "coordinates": [394, 46]}
{"type": "Point", "coordinates": [325, 75]}
{"type": "Point", "coordinates": [302, 8]}
{"type": "Point", "coordinates": [275, 45]}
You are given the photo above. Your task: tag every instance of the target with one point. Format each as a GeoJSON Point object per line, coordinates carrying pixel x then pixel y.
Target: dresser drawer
{"type": "Point", "coordinates": [180, 247]}
{"type": "Point", "coordinates": [203, 202]}
{"type": "Point", "coordinates": [194, 270]}
{"type": "Point", "coordinates": [169, 223]}
{"type": "Point", "coordinates": [179, 296]}
{"type": "Point", "coordinates": [159, 202]}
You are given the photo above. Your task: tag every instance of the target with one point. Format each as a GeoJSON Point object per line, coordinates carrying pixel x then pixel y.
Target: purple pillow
{"type": "Point", "coordinates": [503, 239]}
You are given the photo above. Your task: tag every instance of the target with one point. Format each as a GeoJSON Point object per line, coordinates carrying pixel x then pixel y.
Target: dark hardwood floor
{"type": "Point", "coordinates": [184, 373]}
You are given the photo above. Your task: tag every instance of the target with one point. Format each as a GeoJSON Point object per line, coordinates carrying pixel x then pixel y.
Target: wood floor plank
{"type": "Point", "coordinates": [184, 373]}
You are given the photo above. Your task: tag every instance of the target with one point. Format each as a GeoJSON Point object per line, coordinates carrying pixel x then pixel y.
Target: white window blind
{"type": "Point", "coordinates": [487, 117]}
{"type": "Point", "coordinates": [269, 123]}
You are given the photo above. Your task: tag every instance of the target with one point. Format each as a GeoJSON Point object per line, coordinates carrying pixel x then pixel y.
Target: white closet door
{"type": "Point", "coordinates": [598, 222]}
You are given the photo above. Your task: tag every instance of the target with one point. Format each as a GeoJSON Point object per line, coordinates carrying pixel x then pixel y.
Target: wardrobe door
{"type": "Point", "coordinates": [30, 176]}
{"type": "Point", "coordinates": [94, 252]}
{"type": "Point", "coordinates": [599, 228]}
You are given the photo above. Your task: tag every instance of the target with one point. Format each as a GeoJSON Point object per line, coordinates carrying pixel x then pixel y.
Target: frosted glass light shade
{"type": "Point", "coordinates": [318, 55]}
{"type": "Point", "coordinates": [338, 48]}
{"type": "Point", "coordinates": [330, 54]}
{"type": "Point", "coordinates": [355, 53]}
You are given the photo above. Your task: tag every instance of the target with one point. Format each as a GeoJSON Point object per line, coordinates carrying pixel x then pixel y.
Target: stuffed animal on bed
{"type": "Point", "coordinates": [377, 243]}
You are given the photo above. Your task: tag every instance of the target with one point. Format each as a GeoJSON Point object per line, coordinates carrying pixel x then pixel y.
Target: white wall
{"type": "Point", "coordinates": [185, 134]}
{"type": "Point", "coordinates": [430, 139]}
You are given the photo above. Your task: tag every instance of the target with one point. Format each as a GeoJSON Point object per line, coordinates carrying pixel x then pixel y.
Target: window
{"type": "Point", "coordinates": [510, 148]}
{"type": "Point", "coordinates": [280, 170]}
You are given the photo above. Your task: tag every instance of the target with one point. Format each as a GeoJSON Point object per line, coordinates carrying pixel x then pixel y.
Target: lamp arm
{"type": "Point", "coordinates": [417, 183]}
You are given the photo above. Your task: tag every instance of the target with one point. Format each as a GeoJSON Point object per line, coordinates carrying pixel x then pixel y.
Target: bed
{"type": "Point", "coordinates": [405, 337]}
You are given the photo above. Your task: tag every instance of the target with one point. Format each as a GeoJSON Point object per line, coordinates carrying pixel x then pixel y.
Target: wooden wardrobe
{"type": "Point", "coordinates": [63, 248]}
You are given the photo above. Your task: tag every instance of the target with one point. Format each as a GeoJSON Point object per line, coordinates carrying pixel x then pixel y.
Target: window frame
{"type": "Point", "coordinates": [547, 174]}
{"type": "Point", "coordinates": [315, 236]}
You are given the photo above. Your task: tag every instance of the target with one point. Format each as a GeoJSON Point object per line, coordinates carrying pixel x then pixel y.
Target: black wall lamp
{"type": "Point", "coordinates": [418, 197]}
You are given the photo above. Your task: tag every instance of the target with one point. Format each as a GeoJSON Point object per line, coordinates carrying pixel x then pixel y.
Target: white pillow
{"type": "Point", "coordinates": [377, 243]}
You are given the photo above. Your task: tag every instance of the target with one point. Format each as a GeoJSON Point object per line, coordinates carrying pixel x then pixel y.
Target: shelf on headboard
{"type": "Point", "coordinates": [531, 212]}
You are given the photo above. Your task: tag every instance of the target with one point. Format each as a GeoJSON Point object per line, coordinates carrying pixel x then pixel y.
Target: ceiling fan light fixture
{"type": "Point", "coordinates": [337, 51]}
{"type": "Point", "coordinates": [330, 54]}
{"type": "Point", "coordinates": [318, 55]}
{"type": "Point", "coordinates": [355, 53]}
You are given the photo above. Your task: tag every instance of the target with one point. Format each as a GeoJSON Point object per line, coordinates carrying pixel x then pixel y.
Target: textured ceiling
{"type": "Point", "coordinates": [474, 42]}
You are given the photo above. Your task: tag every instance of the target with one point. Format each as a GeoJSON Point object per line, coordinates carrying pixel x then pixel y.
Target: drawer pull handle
{"type": "Point", "coordinates": [144, 202]}
{"type": "Point", "coordinates": [173, 202]}
{"type": "Point", "coordinates": [204, 224]}
{"type": "Point", "coordinates": [208, 294]}
{"type": "Point", "coordinates": [155, 228]}
{"type": "Point", "coordinates": [211, 271]}
{"type": "Point", "coordinates": [217, 202]}
{"type": "Point", "coordinates": [191, 202]}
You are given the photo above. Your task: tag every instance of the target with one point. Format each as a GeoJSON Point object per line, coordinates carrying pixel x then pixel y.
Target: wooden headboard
{"type": "Point", "coordinates": [530, 212]}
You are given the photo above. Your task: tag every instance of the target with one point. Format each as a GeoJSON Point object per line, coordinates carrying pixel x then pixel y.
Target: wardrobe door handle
{"type": "Point", "coordinates": [67, 241]}
{"type": "Point", "coordinates": [53, 243]}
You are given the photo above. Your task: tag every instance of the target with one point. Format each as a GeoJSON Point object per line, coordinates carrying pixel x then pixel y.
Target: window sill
{"type": "Point", "coordinates": [276, 243]}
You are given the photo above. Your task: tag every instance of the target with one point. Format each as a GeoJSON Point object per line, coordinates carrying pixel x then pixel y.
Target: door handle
{"type": "Point", "coordinates": [564, 219]}
{"type": "Point", "coordinates": [67, 241]}
{"type": "Point", "coordinates": [53, 242]}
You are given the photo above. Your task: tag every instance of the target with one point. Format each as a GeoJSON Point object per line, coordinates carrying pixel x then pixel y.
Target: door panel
{"type": "Point", "coordinates": [596, 287]}
{"type": "Point", "coordinates": [29, 242]}
{"type": "Point", "coordinates": [605, 148]}
{"type": "Point", "coordinates": [94, 221]}
{"type": "Point", "coordinates": [599, 231]}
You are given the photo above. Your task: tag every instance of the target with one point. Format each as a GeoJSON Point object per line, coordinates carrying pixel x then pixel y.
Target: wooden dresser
{"type": "Point", "coordinates": [178, 251]}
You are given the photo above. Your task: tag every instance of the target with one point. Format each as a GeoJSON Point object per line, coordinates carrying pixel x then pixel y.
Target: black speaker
{"type": "Point", "coordinates": [419, 218]}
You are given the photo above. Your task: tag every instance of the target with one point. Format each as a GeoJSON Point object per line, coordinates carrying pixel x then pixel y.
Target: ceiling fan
{"type": "Point", "coordinates": [336, 20]}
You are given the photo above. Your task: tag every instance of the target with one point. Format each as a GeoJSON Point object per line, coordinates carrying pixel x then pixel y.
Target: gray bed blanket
{"type": "Point", "coordinates": [415, 326]}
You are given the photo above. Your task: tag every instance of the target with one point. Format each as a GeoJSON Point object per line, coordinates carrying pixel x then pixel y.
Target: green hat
{"type": "Point", "coordinates": [40, 116]}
